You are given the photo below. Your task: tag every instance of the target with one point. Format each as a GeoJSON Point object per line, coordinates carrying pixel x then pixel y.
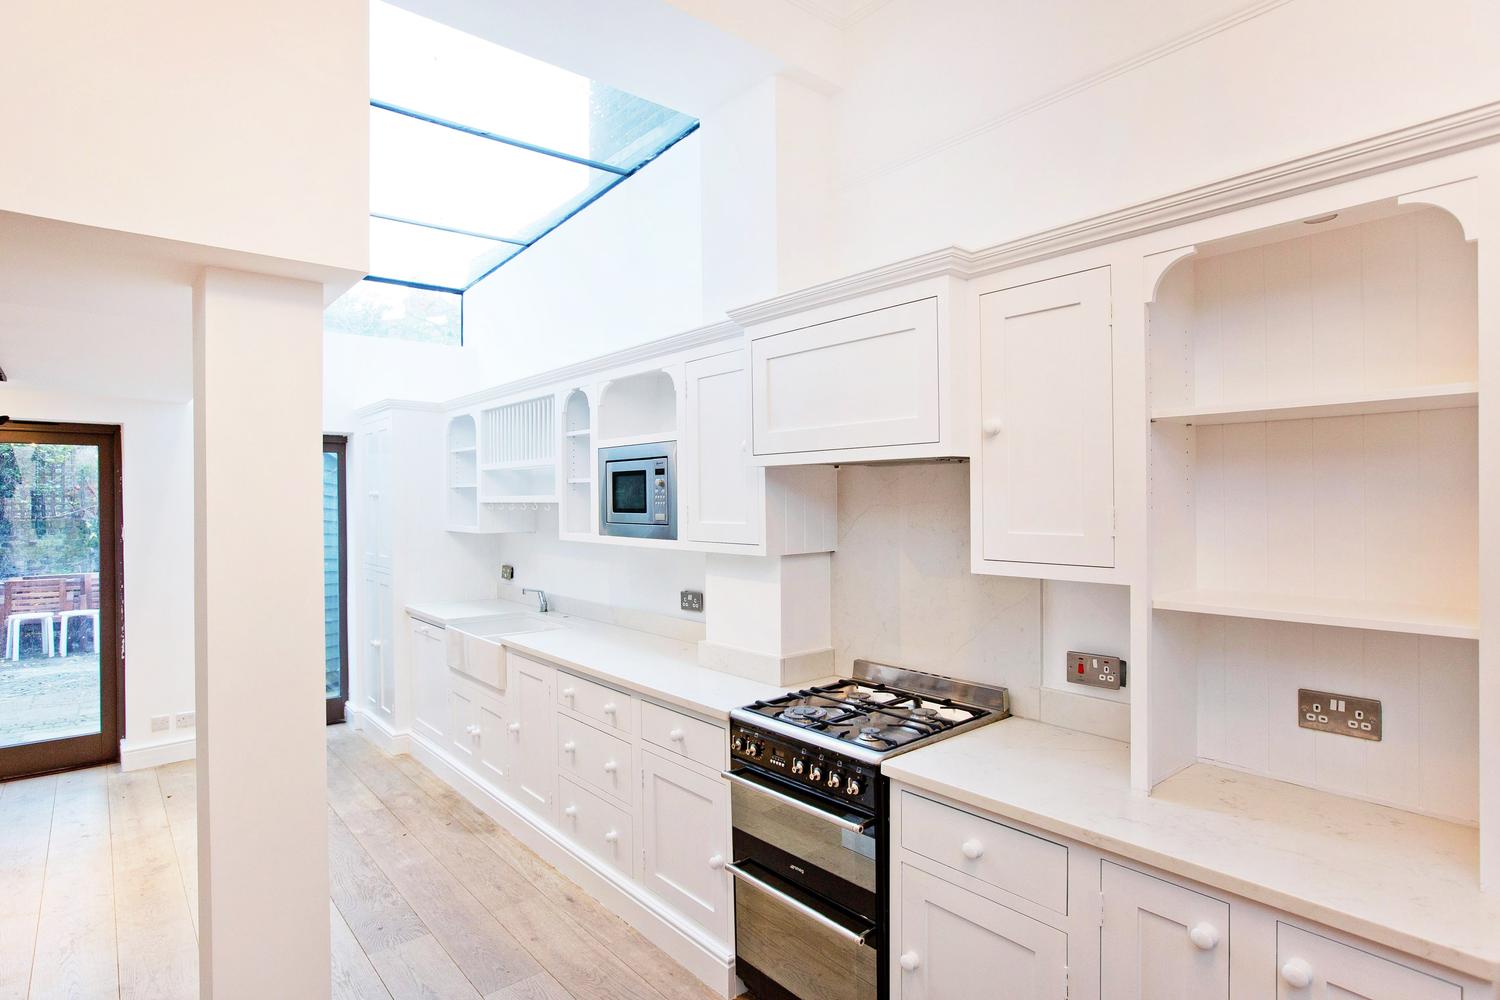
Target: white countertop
{"type": "Point", "coordinates": [1393, 877]}
{"type": "Point", "coordinates": [666, 670]}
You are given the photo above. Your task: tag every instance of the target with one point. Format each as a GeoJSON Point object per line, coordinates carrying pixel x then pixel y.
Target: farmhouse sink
{"type": "Point", "coordinates": [475, 648]}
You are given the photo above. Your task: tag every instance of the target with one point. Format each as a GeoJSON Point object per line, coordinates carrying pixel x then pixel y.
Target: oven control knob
{"type": "Point", "coordinates": [737, 744]}
{"type": "Point", "coordinates": [851, 787]}
{"type": "Point", "coordinates": [799, 765]}
{"type": "Point", "coordinates": [816, 774]}
{"type": "Point", "coordinates": [752, 749]}
{"type": "Point", "coordinates": [834, 780]}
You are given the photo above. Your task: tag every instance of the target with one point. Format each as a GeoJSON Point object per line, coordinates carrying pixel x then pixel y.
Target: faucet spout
{"type": "Point", "coordinates": [541, 598]}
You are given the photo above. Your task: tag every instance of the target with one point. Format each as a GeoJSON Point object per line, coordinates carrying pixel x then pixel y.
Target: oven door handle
{"type": "Point", "coordinates": [853, 937]}
{"type": "Point", "coordinates": [842, 822]}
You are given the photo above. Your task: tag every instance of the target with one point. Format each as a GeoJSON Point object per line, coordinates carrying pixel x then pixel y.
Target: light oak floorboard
{"type": "Point", "coordinates": [539, 987]}
{"type": "Point", "coordinates": [75, 938]}
{"type": "Point", "coordinates": [422, 970]}
{"type": "Point", "coordinates": [179, 792]}
{"type": "Point", "coordinates": [354, 978]}
{"type": "Point", "coordinates": [25, 828]}
{"type": "Point", "coordinates": [155, 940]}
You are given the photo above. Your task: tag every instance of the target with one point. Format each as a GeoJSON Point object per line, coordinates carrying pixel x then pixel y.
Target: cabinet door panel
{"type": "Point", "coordinates": [379, 651]}
{"type": "Point", "coordinates": [493, 762]}
{"type": "Point", "coordinates": [429, 679]}
{"type": "Point", "coordinates": [723, 495]}
{"type": "Point", "coordinates": [866, 381]}
{"type": "Point", "coordinates": [1335, 971]}
{"type": "Point", "coordinates": [1047, 421]}
{"type": "Point", "coordinates": [954, 945]}
{"type": "Point", "coordinates": [686, 832]}
{"type": "Point", "coordinates": [534, 752]}
{"type": "Point", "coordinates": [462, 721]}
{"type": "Point", "coordinates": [1161, 941]}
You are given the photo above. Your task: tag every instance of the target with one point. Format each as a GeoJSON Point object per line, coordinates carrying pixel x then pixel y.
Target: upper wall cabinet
{"type": "Point", "coordinates": [1043, 476]}
{"type": "Point", "coordinates": [854, 378]}
{"type": "Point", "coordinates": [721, 496]}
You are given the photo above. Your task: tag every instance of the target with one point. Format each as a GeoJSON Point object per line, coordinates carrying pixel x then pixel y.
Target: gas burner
{"type": "Point", "coordinates": [924, 712]}
{"type": "Point", "coordinates": [804, 714]}
{"type": "Point", "coordinates": [881, 697]}
{"type": "Point", "coordinates": [870, 734]}
{"type": "Point", "coordinates": [954, 714]}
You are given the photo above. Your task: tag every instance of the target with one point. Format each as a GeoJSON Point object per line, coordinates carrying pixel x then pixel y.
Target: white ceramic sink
{"type": "Point", "coordinates": [475, 648]}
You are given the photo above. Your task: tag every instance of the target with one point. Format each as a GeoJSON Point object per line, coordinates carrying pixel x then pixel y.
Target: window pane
{"type": "Point", "coordinates": [429, 67]}
{"type": "Point", "coordinates": [377, 309]}
{"type": "Point", "coordinates": [431, 256]}
{"type": "Point", "coordinates": [332, 637]}
{"type": "Point", "coordinates": [434, 174]}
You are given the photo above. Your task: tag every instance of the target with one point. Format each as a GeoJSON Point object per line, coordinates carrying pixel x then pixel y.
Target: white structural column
{"type": "Point", "coordinates": [262, 827]}
{"type": "Point", "coordinates": [769, 619]}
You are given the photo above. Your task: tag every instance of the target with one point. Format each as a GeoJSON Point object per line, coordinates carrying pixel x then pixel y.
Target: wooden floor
{"type": "Point", "coordinates": [431, 899]}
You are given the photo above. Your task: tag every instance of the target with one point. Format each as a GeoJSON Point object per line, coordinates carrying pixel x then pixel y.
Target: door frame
{"type": "Point", "coordinates": [103, 747]}
{"type": "Point", "coordinates": [339, 445]}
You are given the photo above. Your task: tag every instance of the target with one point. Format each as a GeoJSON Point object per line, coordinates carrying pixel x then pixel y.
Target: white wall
{"type": "Point", "coordinates": [971, 122]}
{"type": "Point", "coordinates": [243, 126]}
{"type": "Point", "coordinates": [157, 466]}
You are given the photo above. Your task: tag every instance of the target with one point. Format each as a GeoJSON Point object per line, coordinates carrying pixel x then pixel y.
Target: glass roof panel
{"type": "Point", "coordinates": [426, 256]}
{"type": "Point", "coordinates": [429, 67]}
{"type": "Point", "coordinates": [440, 176]}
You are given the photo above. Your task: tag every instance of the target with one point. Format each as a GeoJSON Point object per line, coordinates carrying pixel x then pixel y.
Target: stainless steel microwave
{"type": "Point", "coordinates": [638, 490]}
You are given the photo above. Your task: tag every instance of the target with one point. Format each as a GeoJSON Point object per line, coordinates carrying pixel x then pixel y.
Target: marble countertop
{"type": "Point", "coordinates": [1393, 877]}
{"type": "Point", "coordinates": [666, 670]}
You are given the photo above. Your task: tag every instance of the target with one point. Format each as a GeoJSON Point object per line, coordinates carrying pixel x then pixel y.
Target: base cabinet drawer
{"type": "Point", "coordinates": [596, 758]}
{"type": "Point", "coordinates": [1160, 941]}
{"type": "Point", "coordinates": [596, 827]}
{"type": "Point", "coordinates": [699, 741]}
{"type": "Point", "coordinates": [608, 708]}
{"type": "Point", "coordinates": [1020, 863]}
{"type": "Point", "coordinates": [950, 944]}
{"type": "Point", "coordinates": [1313, 967]}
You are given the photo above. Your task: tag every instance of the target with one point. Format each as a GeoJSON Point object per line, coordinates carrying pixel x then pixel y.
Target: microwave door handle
{"type": "Point", "coordinates": [854, 937]}
{"type": "Point", "coordinates": [842, 822]}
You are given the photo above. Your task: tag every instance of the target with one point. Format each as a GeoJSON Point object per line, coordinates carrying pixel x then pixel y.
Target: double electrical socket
{"type": "Point", "coordinates": [692, 600]}
{"type": "Point", "coordinates": [182, 720]}
{"type": "Point", "coordinates": [1343, 714]}
{"type": "Point", "coordinates": [1096, 670]}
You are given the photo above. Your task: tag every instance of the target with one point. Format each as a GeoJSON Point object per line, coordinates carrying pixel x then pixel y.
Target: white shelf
{"type": "Point", "coordinates": [580, 482]}
{"type": "Point", "coordinates": [1380, 616]}
{"type": "Point", "coordinates": [1427, 397]}
{"type": "Point", "coordinates": [518, 499]}
{"type": "Point", "coordinates": [463, 486]}
{"type": "Point", "coordinates": [665, 435]}
{"type": "Point", "coordinates": [463, 451]}
{"type": "Point", "coordinates": [546, 463]}
{"type": "Point", "coordinates": [582, 432]}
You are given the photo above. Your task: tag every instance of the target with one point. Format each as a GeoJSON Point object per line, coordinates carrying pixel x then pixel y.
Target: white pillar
{"type": "Point", "coordinates": [262, 827]}
{"type": "Point", "coordinates": [769, 619]}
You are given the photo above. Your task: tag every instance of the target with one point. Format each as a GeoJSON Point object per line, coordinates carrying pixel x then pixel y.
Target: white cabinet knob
{"type": "Point", "coordinates": [473, 730]}
{"type": "Point", "coordinates": [1205, 936]}
{"type": "Point", "coordinates": [570, 811]}
{"type": "Point", "coordinates": [569, 693]}
{"type": "Point", "coordinates": [611, 837]}
{"type": "Point", "coordinates": [569, 746]}
{"type": "Point", "coordinates": [514, 727]}
{"type": "Point", "coordinates": [992, 428]}
{"type": "Point", "coordinates": [610, 767]}
{"type": "Point", "coordinates": [910, 961]}
{"type": "Point", "coordinates": [375, 643]}
{"type": "Point", "coordinates": [716, 862]}
{"type": "Point", "coordinates": [609, 708]}
{"type": "Point", "coordinates": [973, 849]}
{"type": "Point", "coordinates": [677, 735]}
{"type": "Point", "coordinates": [1297, 973]}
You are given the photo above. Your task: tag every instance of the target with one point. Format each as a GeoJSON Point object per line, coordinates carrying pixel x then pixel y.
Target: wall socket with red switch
{"type": "Point", "coordinates": [1096, 670]}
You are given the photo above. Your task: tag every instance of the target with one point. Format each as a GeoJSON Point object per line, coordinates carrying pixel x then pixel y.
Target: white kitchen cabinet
{"type": "Point", "coordinates": [868, 380]}
{"type": "Point", "coordinates": [1160, 941]}
{"type": "Point", "coordinates": [685, 831]}
{"type": "Point", "coordinates": [463, 721]}
{"type": "Point", "coordinates": [492, 760]}
{"type": "Point", "coordinates": [595, 757]}
{"type": "Point", "coordinates": [430, 684]}
{"type": "Point", "coordinates": [722, 494]}
{"type": "Point", "coordinates": [1046, 451]}
{"type": "Point", "coordinates": [1313, 967]}
{"type": "Point", "coordinates": [376, 533]}
{"type": "Point", "coordinates": [533, 748]}
{"type": "Point", "coordinates": [950, 944]}
{"type": "Point", "coordinates": [379, 657]}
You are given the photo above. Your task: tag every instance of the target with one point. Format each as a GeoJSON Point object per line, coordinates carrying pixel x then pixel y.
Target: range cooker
{"type": "Point", "coordinates": [810, 813]}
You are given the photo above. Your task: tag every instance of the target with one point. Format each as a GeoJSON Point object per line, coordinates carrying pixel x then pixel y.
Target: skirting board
{"type": "Point", "coordinates": [135, 756]}
{"type": "Point", "coordinates": [707, 960]}
{"type": "Point", "coordinates": [377, 730]}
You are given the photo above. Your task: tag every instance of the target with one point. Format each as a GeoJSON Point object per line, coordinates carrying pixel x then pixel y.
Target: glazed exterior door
{"type": "Point", "coordinates": [951, 944]}
{"type": "Point", "coordinates": [1161, 941]}
{"type": "Point", "coordinates": [1047, 421]}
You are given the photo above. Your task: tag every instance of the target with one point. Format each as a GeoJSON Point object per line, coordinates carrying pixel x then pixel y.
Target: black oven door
{"type": "Point", "coordinates": [806, 910]}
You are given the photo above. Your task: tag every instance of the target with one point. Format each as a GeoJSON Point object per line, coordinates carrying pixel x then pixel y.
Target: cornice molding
{"type": "Point", "coordinates": [1425, 141]}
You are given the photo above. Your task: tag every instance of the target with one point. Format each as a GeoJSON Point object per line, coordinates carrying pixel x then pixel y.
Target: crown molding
{"type": "Point", "coordinates": [1428, 140]}
{"type": "Point", "coordinates": [688, 340]}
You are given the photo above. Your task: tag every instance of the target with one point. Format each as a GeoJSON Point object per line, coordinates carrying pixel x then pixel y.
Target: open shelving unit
{"type": "Point", "coordinates": [1314, 503]}
{"type": "Point", "coordinates": [638, 409]}
{"type": "Point", "coordinates": [578, 494]}
{"type": "Point", "coordinates": [463, 473]}
{"type": "Point", "coordinates": [518, 453]}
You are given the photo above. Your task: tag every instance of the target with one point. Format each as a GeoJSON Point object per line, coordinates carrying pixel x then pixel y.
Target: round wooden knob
{"type": "Point", "coordinates": [716, 862]}
{"type": "Point", "coordinates": [973, 849]}
{"type": "Point", "coordinates": [611, 837]}
{"type": "Point", "coordinates": [514, 727]}
{"type": "Point", "coordinates": [1204, 936]}
{"type": "Point", "coordinates": [1297, 973]}
{"type": "Point", "coordinates": [611, 767]}
{"type": "Point", "coordinates": [569, 746]}
{"type": "Point", "coordinates": [910, 961]}
{"type": "Point", "coordinates": [570, 811]}
{"type": "Point", "coordinates": [992, 428]}
{"type": "Point", "coordinates": [677, 735]}
{"type": "Point", "coordinates": [609, 708]}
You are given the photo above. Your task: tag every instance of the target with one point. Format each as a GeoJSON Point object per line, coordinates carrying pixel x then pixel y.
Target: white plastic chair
{"type": "Point", "coordinates": [68, 617]}
{"type": "Point", "coordinates": [13, 631]}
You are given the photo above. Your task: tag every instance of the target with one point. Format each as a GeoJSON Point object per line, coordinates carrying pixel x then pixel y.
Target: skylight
{"type": "Point", "coordinates": [477, 152]}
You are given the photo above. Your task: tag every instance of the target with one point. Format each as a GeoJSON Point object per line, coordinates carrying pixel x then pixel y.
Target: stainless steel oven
{"type": "Point", "coordinates": [807, 897]}
{"type": "Point", "coordinates": [638, 490]}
